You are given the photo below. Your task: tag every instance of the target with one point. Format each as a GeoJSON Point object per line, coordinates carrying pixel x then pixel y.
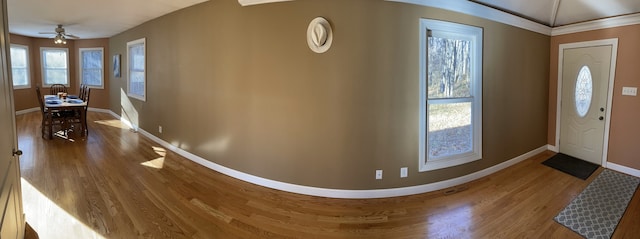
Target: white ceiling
{"type": "Point", "coordinates": [105, 18]}
{"type": "Point", "coordinates": [555, 13]}
{"type": "Point", "coordinates": [86, 18]}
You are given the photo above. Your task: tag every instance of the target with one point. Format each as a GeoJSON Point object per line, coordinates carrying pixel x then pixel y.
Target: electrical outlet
{"type": "Point", "coordinates": [160, 129]}
{"type": "Point", "coordinates": [379, 174]}
{"type": "Point", "coordinates": [632, 91]}
{"type": "Point", "coordinates": [404, 172]}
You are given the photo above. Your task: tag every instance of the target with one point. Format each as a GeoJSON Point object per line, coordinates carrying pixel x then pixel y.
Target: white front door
{"type": "Point", "coordinates": [585, 84]}
{"type": "Point", "coordinates": [12, 222]}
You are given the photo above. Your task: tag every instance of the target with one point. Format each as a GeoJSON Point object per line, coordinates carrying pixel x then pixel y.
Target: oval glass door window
{"type": "Point", "coordinates": [584, 91]}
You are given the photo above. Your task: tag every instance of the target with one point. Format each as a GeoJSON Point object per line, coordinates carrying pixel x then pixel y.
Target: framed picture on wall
{"type": "Point", "coordinates": [116, 65]}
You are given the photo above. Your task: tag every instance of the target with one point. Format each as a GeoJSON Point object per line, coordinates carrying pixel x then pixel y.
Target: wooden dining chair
{"type": "Point", "coordinates": [87, 93]}
{"type": "Point", "coordinates": [83, 88]}
{"type": "Point", "coordinates": [84, 92]}
{"type": "Point", "coordinates": [80, 115]}
{"type": "Point", "coordinates": [55, 88]}
{"type": "Point", "coordinates": [50, 118]}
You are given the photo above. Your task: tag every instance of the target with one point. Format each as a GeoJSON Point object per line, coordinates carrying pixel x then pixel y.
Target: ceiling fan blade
{"type": "Point", "coordinates": [71, 36]}
{"type": "Point", "coordinates": [47, 33]}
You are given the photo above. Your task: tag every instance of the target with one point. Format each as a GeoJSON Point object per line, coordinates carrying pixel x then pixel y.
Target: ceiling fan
{"type": "Point", "coordinates": [60, 35]}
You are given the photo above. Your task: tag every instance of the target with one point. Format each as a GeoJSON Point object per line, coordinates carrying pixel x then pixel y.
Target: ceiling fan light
{"type": "Point", "coordinates": [59, 39]}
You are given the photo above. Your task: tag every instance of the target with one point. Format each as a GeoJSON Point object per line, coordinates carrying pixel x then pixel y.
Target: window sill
{"type": "Point", "coordinates": [447, 163]}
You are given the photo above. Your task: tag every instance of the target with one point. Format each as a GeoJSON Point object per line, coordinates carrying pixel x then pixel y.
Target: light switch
{"type": "Point", "coordinates": [632, 91]}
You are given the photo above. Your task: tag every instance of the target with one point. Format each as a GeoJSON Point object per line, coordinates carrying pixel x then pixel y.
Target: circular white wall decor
{"type": "Point", "coordinates": [319, 35]}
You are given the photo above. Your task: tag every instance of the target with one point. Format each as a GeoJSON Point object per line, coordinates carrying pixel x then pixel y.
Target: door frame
{"type": "Point", "coordinates": [613, 42]}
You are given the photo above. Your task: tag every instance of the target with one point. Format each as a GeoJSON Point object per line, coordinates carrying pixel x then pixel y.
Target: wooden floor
{"type": "Point", "coordinates": [118, 184]}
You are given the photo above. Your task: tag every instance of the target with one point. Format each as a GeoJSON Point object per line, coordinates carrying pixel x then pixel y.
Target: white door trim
{"type": "Point", "coordinates": [613, 42]}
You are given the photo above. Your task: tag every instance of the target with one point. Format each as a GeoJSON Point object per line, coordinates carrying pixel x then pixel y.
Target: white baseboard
{"type": "Point", "coordinates": [245, 3]}
{"type": "Point", "coordinates": [100, 110]}
{"type": "Point", "coordinates": [553, 148]}
{"type": "Point", "coordinates": [25, 111]}
{"type": "Point", "coordinates": [623, 169]}
{"type": "Point", "coordinates": [336, 193]}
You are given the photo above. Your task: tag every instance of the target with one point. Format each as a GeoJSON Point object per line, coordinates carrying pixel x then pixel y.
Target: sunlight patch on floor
{"type": "Point", "coordinates": [49, 220]}
{"type": "Point", "coordinates": [453, 223]}
{"type": "Point", "coordinates": [63, 135]}
{"type": "Point", "coordinates": [158, 162]}
{"type": "Point", "coordinates": [112, 123]}
{"type": "Point", "coordinates": [155, 163]}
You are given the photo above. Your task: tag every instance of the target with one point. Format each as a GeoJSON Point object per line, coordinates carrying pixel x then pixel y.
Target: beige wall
{"type": "Point", "coordinates": [624, 134]}
{"type": "Point", "coordinates": [239, 86]}
{"type": "Point", "coordinates": [26, 98]}
{"type": "Point", "coordinates": [99, 98]}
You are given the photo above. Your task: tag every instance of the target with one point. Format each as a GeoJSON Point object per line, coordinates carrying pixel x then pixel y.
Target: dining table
{"type": "Point", "coordinates": [54, 103]}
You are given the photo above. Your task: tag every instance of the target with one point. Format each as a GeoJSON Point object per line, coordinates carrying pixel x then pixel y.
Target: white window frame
{"type": "Point", "coordinates": [130, 44]}
{"type": "Point", "coordinates": [44, 72]}
{"type": "Point", "coordinates": [28, 67]}
{"type": "Point", "coordinates": [451, 30]}
{"type": "Point", "coordinates": [81, 68]}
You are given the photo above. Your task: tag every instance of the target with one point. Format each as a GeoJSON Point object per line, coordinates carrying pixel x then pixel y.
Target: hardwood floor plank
{"type": "Point", "coordinates": [116, 183]}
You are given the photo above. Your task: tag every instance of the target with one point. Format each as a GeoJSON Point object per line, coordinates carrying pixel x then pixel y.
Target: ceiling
{"type": "Point", "coordinates": [86, 18]}
{"type": "Point", "coordinates": [105, 18]}
{"type": "Point", "coordinates": [554, 13]}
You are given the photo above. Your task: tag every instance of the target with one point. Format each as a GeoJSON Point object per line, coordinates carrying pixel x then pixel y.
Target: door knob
{"type": "Point", "coordinates": [601, 118]}
{"type": "Point", "coordinates": [17, 152]}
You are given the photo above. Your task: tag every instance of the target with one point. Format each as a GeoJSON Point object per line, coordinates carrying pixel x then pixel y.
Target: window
{"type": "Point", "coordinates": [136, 79]}
{"type": "Point", "coordinates": [55, 66]}
{"type": "Point", "coordinates": [20, 66]}
{"type": "Point", "coordinates": [91, 67]}
{"type": "Point", "coordinates": [583, 91]}
{"type": "Point", "coordinates": [450, 94]}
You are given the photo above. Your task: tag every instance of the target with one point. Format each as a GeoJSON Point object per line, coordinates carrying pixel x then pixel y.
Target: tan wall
{"type": "Point", "coordinates": [99, 97]}
{"type": "Point", "coordinates": [26, 98]}
{"type": "Point", "coordinates": [624, 134]}
{"type": "Point", "coordinates": [239, 86]}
